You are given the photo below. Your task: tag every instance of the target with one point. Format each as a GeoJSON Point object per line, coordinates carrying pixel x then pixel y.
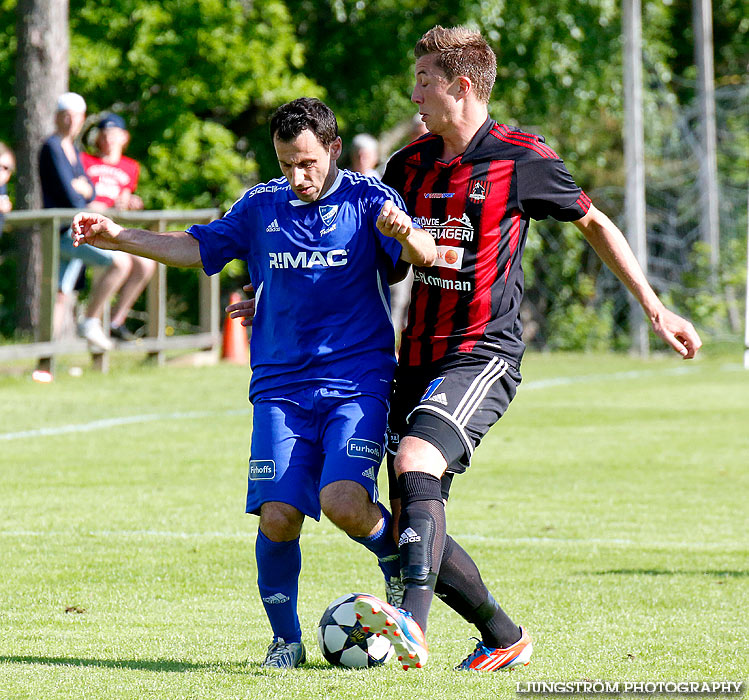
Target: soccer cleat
{"type": "Point", "coordinates": [397, 625]}
{"type": "Point", "coordinates": [484, 658]}
{"type": "Point", "coordinates": [394, 590]}
{"type": "Point", "coordinates": [285, 655]}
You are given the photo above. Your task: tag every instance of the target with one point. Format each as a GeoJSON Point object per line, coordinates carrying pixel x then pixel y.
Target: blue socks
{"type": "Point", "coordinates": [382, 545]}
{"type": "Point", "coordinates": [278, 567]}
{"type": "Point", "coordinates": [280, 563]}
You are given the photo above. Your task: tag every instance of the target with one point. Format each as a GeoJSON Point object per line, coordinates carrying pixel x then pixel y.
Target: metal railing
{"type": "Point", "coordinates": [156, 341]}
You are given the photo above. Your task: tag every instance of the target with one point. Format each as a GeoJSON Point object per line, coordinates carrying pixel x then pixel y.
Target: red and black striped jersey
{"type": "Point", "coordinates": [477, 207]}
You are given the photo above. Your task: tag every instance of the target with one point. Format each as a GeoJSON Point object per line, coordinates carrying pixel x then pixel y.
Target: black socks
{"type": "Point", "coordinates": [461, 587]}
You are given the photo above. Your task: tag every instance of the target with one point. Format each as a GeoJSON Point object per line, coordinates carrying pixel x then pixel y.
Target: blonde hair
{"type": "Point", "coordinates": [461, 51]}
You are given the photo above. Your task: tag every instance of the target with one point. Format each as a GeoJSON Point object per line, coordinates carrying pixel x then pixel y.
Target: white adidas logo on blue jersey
{"type": "Point", "coordinates": [273, 227]}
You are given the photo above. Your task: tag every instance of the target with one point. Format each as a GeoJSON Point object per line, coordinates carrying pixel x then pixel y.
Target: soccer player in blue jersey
{"type": "Point", "coordinates": [320, 244]}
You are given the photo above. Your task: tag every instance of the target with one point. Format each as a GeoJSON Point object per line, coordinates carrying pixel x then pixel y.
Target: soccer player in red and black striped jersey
{"type": "Point", "coordinates": [474, 184]}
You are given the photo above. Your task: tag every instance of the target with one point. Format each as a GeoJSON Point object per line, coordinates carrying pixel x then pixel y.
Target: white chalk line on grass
{"type": "Point", "coordinates": [191, 415]}
{"type": "Point", "coordinates": [73, 535]}
{"type": "Point", "coordinates": [613, 376]}
{"type": "Point", "coordinates": [115, 422]}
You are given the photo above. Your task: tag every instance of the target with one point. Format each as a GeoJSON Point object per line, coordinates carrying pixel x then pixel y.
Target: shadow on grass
{"type": "Point", "coordinates": [671, 572]}
{"type": "Point", "coordinates": [161, 665]}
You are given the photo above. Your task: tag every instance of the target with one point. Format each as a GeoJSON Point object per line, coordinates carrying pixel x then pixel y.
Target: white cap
{"type": "Point", "coordinates": [71, 102]}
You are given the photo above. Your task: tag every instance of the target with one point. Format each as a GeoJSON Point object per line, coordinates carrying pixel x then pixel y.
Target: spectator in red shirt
{"type": "Point", "coordinates": [7, 167]}
{"type": "Point", "coordinates": [115, 177]}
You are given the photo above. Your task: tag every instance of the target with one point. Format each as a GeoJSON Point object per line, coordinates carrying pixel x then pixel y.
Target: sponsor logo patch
{"type": "Point", "coordinates": [262, 470]}
{"type": "Point", "coordinates": [437, 281]}
{"type": "Point", "coordinates": [438, 195]}
{"type": "Point", "coordinates": [366, 449]}
{"type": "Point", "coordinates": [450, 257]}
{"type": "Point", "coordinates": [285, 260]}
{"type": "Point", "coordinates": [270, 187]}
{"type": "Point", "coordinates": [370, 474]}
{"type": "Point", "coordinates": [272, 227]}
{"type": "Point", "coordinates": [454, 229]}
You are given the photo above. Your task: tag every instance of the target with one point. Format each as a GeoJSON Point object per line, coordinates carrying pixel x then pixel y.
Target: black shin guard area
{"type": "Point", "coordinates": [422, 529]}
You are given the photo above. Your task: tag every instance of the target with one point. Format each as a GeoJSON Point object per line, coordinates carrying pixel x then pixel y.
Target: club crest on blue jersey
{"type": "Point", "coordinates": [328, 213]}
{"type": "Point", "coordinates": [366, 449]}
{"type": "Point", "coordinates": [432, 387]}
{"type": "Point", "coordinates": [262, 469]}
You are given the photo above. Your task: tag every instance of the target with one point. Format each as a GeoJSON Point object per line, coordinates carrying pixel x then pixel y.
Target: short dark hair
{"type": "Point", "coordinates": [293, 118]}
{"type": "Point", "coordinates": [461, 51]}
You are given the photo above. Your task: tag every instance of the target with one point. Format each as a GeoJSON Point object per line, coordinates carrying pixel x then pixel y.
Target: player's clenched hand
{"type": "Point", "coordinates": [244, 309]}
{"type": "Point", "coordinates": [96, 230]}
{"type": "Point", "coordinates": [393, 222]}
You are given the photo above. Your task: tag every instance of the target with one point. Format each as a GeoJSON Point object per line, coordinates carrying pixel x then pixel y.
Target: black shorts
{"type": "Point", "coordinates": [451, 405]}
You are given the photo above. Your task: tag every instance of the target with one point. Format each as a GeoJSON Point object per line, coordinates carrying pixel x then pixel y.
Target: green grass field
{"type": "Point", "coordinates": [609, 513]}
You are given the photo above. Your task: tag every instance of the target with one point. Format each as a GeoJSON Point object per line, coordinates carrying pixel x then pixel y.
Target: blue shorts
{"type": "Point", "coordinates": [73, 259]}
{"type": "Point", "coordinates": [311, 438]}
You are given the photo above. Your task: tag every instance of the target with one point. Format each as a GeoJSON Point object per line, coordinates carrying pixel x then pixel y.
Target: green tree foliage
{"type": "Point", "coordinates": [191, 75]}
{"type": "Point", "coordinates": [361, 51]}
{"type": "Point", "coordinates": [195, 79]}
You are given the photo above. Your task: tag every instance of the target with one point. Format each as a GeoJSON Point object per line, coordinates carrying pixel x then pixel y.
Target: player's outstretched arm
{"type": "Point", "coordinates": [612, 247]}
{"type": "Point", "coordinates": [418, 246]}
{"type": "Point", "coordinates": [176, 248]}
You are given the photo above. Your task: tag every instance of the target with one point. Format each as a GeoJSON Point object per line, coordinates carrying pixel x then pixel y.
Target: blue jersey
{"type": "Point", "coordinates": [320, 275]}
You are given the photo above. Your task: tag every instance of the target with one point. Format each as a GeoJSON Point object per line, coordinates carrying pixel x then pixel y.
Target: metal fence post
{"type": "Point", "coordinates": [634, 151]}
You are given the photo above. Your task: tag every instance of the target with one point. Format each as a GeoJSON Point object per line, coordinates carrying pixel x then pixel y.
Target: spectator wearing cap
{"type": "Point", "coordinates": [66, 185]}
{"type": "Point", "coordinates": [115, 177]}
{"type": "Point", "coordinates": [7, 167]}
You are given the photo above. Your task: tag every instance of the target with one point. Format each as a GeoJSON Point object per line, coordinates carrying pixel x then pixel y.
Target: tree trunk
{"type": "Point", "coordinates": [41, 76]}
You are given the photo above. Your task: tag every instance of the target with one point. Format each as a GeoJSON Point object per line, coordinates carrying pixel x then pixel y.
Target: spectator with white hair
{"type": "Point", "coordinates": [66, 185]}
{"type": "Point", "coordinates": [365, 154]}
